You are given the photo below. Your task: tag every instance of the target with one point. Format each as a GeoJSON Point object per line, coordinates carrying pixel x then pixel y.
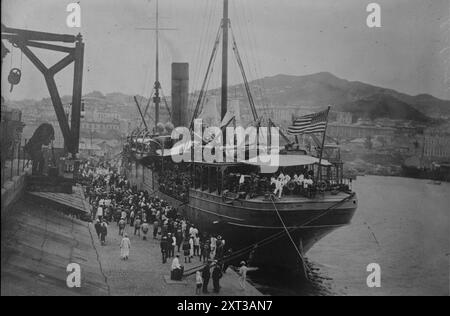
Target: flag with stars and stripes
{"type": "Point", "coordinates": [309, 124]}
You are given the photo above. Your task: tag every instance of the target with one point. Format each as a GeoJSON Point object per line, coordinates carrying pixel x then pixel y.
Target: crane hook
{"type": "Point", "coordinates": [14, 77]}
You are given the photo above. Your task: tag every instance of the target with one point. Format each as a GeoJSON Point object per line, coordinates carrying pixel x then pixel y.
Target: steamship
{"type": "Point", "coordinates": [235, 199]}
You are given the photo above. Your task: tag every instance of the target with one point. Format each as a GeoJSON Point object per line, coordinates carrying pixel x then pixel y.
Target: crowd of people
{"type": "Point", "coordinates": [175, 183]}
{"type": "Point", "coordinates": [114, 200]}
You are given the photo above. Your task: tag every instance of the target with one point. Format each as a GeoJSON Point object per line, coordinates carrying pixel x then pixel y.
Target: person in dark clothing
{"type": "Point", "coordinates": [164, 247]}
{"type": "Point", "coordinates": [216, 276]}
{"type": "Point", "coordinates": [186, 251]}
{"type": "Point", "coordinates": [103, 233]}
{"type": "Point", "coordinates": [98, 228]}
{"type": "Point", "coordinates": [122, 225]}
{"type": "Point", "coordinates": [202, 245]}
{"type": "Point", "coordinates": [226, 263]}
{"type": "Point", "coordinates": [219, 248]}
{"type": "Point", "coordinates": [155, 229]}
{"type": "Point", "coordinates": [206, 274]}
{"type": "Point", "coordinates": [117, 216]}
{"type": "Point", "coordinates": [204, 250]}
{"type": "Point", "coordinates": [179, 236]}
{"type": "Point", "coordinates": [137, 226]}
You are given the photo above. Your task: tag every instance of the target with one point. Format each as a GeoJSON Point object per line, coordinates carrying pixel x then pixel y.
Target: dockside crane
{"type": "Point", "coordinates": [24, 39]}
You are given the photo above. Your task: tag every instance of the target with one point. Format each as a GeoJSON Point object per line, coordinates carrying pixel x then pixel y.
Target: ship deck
{"type": "Point", "coordinates": [327, 197]}
{"type": "Point", "coordinates": [285, 199]}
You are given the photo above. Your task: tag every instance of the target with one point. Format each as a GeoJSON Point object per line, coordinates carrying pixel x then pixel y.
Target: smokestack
{"type": "Point", "coordinates": [180, 94]}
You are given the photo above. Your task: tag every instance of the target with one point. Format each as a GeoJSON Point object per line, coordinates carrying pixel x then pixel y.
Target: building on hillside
{"type": "Point", "coordinates": [345, 118]}
{"type": "Point", "coordinates": [100, 127]}
{"type": "Point", "coordinates": [100, 116]}
{"type": "Point", "coordinates": [337, 130]}
{"type": "Point", "coordinates": [436, 146]}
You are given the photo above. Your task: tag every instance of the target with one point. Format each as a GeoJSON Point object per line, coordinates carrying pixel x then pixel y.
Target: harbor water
{"type": "Point", "coordinates": [401, 224]}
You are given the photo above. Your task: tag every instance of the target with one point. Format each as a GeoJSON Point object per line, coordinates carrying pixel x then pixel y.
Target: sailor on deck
{"type": "Point", "coordinates": [307, 185]}
{"type": "Point", "coordinates": [299, 179]}
{"type": "Point", "coordinates": [286, 180]}
{"type": "Point", "coordinates": [241, 181]}
{"type": "Point", "coordinates": [280, 182]}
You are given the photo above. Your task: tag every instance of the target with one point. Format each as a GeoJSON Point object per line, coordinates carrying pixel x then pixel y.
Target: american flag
{"type": "Point", "coordinates": [310, 124]}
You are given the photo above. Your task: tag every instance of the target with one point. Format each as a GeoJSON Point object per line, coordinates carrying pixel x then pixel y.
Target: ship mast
{"type": "Point", "coordinates": [225, 27]}
{"type": "Point", "coordinates": [157, 85]}
{"type": "Point", "coordinates": [224, 31]}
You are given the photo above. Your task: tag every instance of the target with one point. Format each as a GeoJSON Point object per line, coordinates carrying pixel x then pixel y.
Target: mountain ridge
{"type": "Point", "coordinates": [324, 88]}
{"type": "Point", "coordinates": [314, 91]}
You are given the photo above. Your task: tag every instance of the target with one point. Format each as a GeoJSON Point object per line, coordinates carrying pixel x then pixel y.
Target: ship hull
{"type": "Point", "coordinates": [245, 223]}
{"type": "Point", "coordinates": [253, 225]}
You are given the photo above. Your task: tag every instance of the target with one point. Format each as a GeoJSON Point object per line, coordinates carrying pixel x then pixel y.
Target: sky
{"type": "Point", "coordinates": [409, 52]}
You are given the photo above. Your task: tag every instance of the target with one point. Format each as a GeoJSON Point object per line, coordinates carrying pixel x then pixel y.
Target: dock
{"type": "Point", "coordinates": [38, 242]}
{"type": "Point", "coordinates": [75, 201]}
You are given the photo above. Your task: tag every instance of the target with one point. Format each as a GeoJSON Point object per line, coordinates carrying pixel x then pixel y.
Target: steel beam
{"type": "Point", "coordinates": [77, 94]}
{"type": "Point", "coordinates": [40, 36]}
{"type": "Point", "coordinates": [60, 65]}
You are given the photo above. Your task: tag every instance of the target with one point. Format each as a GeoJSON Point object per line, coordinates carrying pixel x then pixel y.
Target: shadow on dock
{"type": "Point", "coordinates": [38, 242]}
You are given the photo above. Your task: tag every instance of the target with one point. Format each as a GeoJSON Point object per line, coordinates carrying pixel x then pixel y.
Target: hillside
{"type": "Point", "coordinates": [324, 88]}
{"type": "Point", "coordinates": [316, 90]}
{"type": "Point", "coordinates": [382, 105]}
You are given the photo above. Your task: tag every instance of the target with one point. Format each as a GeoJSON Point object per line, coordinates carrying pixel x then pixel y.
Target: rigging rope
{"type": "Point", "coordinates": [244, 76]}
{"type": "Point", "coordinates": [147, 107]}
{"type": "Point", "coordinates": [197, 55]}
{"type": "Point", "coordinates": [206, 80]}
{"type": "Point", "coordinates": [166, 104]}
{"type": "Point", "coordinates": [253, 72]}
{"type": "Point", "coordinates": [207, 84]}
{"type": "Point", "coordinates": [305, 267]}
{"type": "Point", "coordinates": [258, 76]}
{"type": "Point", "coordinates": [202, 48]}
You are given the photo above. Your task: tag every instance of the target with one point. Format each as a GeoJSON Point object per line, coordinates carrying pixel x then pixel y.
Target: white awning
{"type": "Point", "coordinates": [285, 161]}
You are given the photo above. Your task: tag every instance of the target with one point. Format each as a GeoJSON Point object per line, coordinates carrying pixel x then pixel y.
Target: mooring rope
{"type": "Point", "coordinates": [305, 267]}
